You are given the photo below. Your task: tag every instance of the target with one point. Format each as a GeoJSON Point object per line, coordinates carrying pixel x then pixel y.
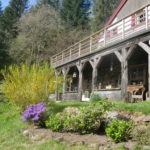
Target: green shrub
{"type": "Point", "coordinates": [24, 85]}
{"type": "Point", "coordinates": [95, 98]}
{"type": "Point", "coordinates": [88, 120]}
{"type": "Point", "coordinates": [56, 122]}
{"type": "Point", "coordinates": [119, 130]}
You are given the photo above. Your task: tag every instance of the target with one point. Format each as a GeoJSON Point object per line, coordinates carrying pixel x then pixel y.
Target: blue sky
{"type": "Point", "coordinates": [6, 2]}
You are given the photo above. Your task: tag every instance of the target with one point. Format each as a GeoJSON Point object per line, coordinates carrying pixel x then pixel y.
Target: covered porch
{"type": "Point", "coordinates": [115, 76]}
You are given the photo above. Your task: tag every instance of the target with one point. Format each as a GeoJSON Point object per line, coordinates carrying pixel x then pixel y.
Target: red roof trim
{"type": "Point", "coordinates": [115, 12]}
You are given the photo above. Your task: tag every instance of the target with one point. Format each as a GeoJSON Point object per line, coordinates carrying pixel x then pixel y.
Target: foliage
{"type": "Point", "coordinates": [75, 13]}
{"type": "Point", "coordinates": [102, 10]}
{"type": "Point", "coordinates": [87, 121]}
{"type": "Point", "coordinates": [25, 85]}
{"type": "Point", "coordinates": [119, 130]}
{"type": "Point", "coordinates": [56, 122]}
{"type": "Point", "coordinates": [11, 136]}
{"type": "Point", "coordinates": [95, 97]}
{"type": "Point", "coordinates": [38, 36]}
{"type": "Point", "coordinates": [11, 15]}
{"type": "Point", "coordinates": [35, 114]}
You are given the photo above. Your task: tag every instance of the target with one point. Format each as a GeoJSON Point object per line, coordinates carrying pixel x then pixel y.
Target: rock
{"type": "Point", "coordinates": [146, 147]}
{"type": "Point", "coordinates": [35, 138]}
{"type": "Point", "coordinates": [114, 115]}
{"type": "Point", "coordinates": [59, 139]}
{"type": "Point", "coordinates": [94, 145]}
{"type": "Point", "coordinates": [72, 111]}
{"type": "Point", "coordinates": [142, 118]}
{"type": "Point", "coordinates": [26, 133]}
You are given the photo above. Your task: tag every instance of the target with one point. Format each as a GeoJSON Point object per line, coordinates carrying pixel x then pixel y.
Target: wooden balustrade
{"type": "Point", "coordinates": [138, 21]}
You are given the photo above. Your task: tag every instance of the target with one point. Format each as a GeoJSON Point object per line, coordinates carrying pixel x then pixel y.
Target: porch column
{"type": "Point", "coordinates": [122, 57]}
{"type": "Point", "coordinates": [146, 48]}
{"type": "Point", "coordinates": [124, 79]}
{"type": "Point", "coordinates": [148, 76]}
{"type": "Point", "coordinates": [64, 83]}
{"type": "Point", "coordinates": [65, 72]}
{"type": "Point", "coordinates": [56, 90]}
{"type": "Point", "coordinates": [94, 78]}
{"type": "Point", "coordinates": [80, 88]}
{"type": "Point", "coordinates": [94, 62]}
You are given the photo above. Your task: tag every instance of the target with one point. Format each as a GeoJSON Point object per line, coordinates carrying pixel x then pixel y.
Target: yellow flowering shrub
{"type": "Point", "coordinates": [24, 85]}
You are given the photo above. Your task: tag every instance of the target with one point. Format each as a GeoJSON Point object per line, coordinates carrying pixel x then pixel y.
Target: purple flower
{"type": "Point", "coordinates": [34, 112]}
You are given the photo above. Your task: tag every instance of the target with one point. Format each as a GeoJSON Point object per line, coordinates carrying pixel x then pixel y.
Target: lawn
{"type": "Point", "coordinates": [11, 137]}
{"type": "Point", "coordinates": [143, 107]}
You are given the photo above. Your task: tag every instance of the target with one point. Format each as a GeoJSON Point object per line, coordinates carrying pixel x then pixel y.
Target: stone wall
{"type": "Point", "coordinates": [71, 96]}
{"type": "Point", "coordinates": [113, 95]}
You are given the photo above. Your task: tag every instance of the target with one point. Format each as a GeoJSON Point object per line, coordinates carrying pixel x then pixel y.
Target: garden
{"type": "Point", "coordinates": [37, 122]}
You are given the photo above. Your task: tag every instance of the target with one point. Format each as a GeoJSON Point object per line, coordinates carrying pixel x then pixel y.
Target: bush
{"type": "Point", "coordinates": [56, 122]}
{"type": "Point", "coordinates": [88, 121]}
{"type": "Point", "coordinates": [119, 130]}
{"type": "Point", "coordinates": [85, 120]}
{"type": "Point", "coordinates": [35, 114]}
{"type": "Point", "coordinates": [95, 98]}
{"type": "Point", "coordinates": [25, 85]}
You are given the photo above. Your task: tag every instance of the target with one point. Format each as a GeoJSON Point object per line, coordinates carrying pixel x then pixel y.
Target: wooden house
{"type": "Point", "coordinates": [113, 62]}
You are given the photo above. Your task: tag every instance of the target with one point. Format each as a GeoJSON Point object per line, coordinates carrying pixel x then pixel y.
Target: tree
{"type": "Point", "coordinates": [102, 10]}
{"type": "Point", "coordinates": [75, 13]}
{"type": "Point", "coordinates": [50, 3]}
{"type": "Point", "coordinates": [4, 57]}
{"type": "Point", "coordinates": [11, 15]}
{"type": "Point", "coordinates": [39, 32]}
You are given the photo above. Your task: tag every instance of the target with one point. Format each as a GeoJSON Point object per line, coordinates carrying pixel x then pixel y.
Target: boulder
{"type": "Point", "coordinates": [111, 115]}
{"type": "Point", "coordinates": [72, 111]}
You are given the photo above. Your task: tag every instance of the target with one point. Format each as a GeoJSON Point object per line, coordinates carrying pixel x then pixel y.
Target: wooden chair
{"type": "Point", "coordinates": [136, 92]}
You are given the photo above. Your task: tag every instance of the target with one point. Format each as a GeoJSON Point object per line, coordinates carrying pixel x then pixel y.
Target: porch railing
{"type": "Point", "coordinates": [134, 23]}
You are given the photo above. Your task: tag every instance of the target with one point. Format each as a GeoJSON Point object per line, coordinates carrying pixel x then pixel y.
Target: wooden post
{"type": "Point", "coordinates": [56, 90]}
{"type": "Point", "coordinates": [64, 84]}
{"type": "Point", "coordinates": [65, 72]}
{"type": "Point", "coordinates": [146, 17]}
{"type": "Point", "coordinates": [124, 75]}
{"type": "Point", "coordinates": [80, 90]}
{"type": "Point", "coordinates": [90, 44]}
{"type": "Point", "coordinates": [79, 49]}
{"type": "Point", "coordinates": [94, 77]}
{"type": "Point", "coordinates": [105, 37]}
{"type": "Point", "coordinates": [123, 35]}
{"type": "Point", "coordinates": [148, 75]}
{"type": "Point", "coordinates": [70, 53]}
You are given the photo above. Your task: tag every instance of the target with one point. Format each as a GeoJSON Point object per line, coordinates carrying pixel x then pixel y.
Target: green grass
{"type": "Point", "coordinates": [11, 137]}
{"type": "Point", "coordinates": [59, 107]}
{"type": "Point", "coordinates": [143, 107]}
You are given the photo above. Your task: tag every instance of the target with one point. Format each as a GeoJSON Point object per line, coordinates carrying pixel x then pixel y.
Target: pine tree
{"type": "Point", "coordinates": [75, 13]}
{"type": "Point", "coordinates": [11, 15]}
{"type": "Point", "coordinates": [50, 3]}
{"type": "Point", "coordinates": [102, 10]}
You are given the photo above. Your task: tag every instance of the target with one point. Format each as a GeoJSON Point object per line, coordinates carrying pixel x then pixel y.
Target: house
{"type": "Point", "coordinates": [113, 62]}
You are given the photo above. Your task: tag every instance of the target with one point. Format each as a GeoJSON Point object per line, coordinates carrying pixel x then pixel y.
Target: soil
{"type": "Point", "coordinates": [100, 142]}
{"type": "Point", "coordinates": [96, 141]}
